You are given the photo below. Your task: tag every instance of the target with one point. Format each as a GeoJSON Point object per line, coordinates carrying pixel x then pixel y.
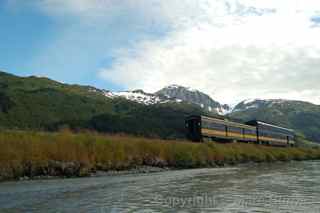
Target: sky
{"type": "Point", "coordinates": [230, 49]}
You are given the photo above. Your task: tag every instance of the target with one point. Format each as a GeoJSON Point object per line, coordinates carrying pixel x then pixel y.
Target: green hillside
{"type": "Point", "coordinates": [34, 103]}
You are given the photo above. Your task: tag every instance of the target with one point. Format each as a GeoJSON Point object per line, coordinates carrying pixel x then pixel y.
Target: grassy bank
{"type": "Point", "coordinates": [67, 154]}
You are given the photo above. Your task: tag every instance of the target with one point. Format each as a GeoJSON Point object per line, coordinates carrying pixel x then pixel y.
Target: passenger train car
{"type": "Point", "coordinates": [201, 128]}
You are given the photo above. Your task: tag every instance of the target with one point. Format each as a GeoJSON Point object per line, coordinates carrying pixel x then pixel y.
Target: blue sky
{"type": "Point", "coordinates": [22, 33]}
{"type": "Point", "coordinates": [224, 48]}
{"type": "Point", "coordinates": [65, 47]}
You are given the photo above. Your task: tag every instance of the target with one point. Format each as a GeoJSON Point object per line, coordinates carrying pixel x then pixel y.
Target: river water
{"type": "Point", "coordinates": [279, 187]}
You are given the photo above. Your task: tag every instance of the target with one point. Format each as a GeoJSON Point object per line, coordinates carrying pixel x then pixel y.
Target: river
{"type": "Point", "coordinates": [278, 187]}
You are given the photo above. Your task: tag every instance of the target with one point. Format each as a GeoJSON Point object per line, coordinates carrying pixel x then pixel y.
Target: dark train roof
{"type": "Point", "coordinates": [256, 122]}
{"type": "Point", "coordinates": [199, 117]}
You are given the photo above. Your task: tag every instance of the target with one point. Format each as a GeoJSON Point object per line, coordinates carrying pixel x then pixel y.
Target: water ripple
{"type": "Point", "coordinates": [280, 187]}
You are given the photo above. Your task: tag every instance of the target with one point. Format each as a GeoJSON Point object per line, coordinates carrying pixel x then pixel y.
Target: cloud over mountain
{"type": "Point", "coordinates": [230, 49]}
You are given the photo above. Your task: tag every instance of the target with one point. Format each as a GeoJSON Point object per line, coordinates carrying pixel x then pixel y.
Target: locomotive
{"type": "Point", "coordinates": [203, 128]}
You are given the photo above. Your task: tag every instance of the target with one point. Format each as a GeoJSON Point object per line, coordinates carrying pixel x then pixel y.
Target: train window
{"type": "Point", "coordinates": [211, 125]}
{"type": "Point", "coordinates": [234, 129]}
{"type": "Point", "coordinates": [217, 126]}
{"type": "Point", "coordinates": [272, 134]}
{"type": "Point", "coordinates": [249, 132]}
{"type": "Point", "coordinates": [262, 132]}
{"type": "Point", "coordinates": [274, 130]}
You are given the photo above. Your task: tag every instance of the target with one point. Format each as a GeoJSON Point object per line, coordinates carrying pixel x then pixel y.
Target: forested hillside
{"type": "Point", "coordinates": [35, 103]}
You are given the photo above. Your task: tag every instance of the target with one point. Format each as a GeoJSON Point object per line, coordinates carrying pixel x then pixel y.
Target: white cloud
{"type": "Point", "coordinates": [231, 50]}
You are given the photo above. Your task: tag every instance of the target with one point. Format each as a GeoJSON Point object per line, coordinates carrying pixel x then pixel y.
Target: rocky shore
{"type": "Point", "coordinates": [56, 169]}
{"type": "Point", "coordinates": [74, 170]}
{"type": "Point", "coordinates": [98, 173]}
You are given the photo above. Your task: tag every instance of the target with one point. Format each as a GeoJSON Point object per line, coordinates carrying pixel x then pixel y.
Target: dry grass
{"type": "Point", "coordinates": [69, 154]}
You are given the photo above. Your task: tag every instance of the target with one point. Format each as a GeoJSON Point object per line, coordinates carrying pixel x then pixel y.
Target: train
{"type": "Point", "coordinates": [202, 128]}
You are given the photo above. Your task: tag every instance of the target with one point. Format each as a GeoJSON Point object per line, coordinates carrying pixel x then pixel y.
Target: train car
{"type": "Point", "coordinates": [201, 128]}
{"type": "Point", "coordinates": [272, 134]}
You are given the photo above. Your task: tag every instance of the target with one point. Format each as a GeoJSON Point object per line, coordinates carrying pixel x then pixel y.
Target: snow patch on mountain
{"type": "Point", "coordinates": [247, 101]}
{"type": "Point", "coordinates": [173, 93]}
{"type": "Point", "coordinates": [138, 96]}
{"type": "Point", "coordinates": [257, 103]}
{"type": "Point", "coordinates": [173, 86]}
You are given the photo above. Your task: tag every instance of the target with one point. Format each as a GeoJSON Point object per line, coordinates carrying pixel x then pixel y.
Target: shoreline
{"type": "Point", "coordinates": [140, 170]}
{"type": "Point", "coordinates": [98, 173]}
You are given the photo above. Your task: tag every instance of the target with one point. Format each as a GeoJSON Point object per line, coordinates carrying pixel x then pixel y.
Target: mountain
{"type": "Point", "coordinates": [193, 96]}
{"type": "Point", "coordinates": [258, 103]}
{"type": "Point", "coordinates": [173, 94]}
{"type": "Point", "coordinates": [34, 103]}
{"type": "Point", "coordinates": [301, 116]}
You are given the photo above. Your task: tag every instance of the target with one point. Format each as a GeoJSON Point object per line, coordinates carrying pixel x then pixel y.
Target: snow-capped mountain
{"type": "Point", "coordinates": [177, 94]}
{"type": "Point", "coordinates": [258, 103]}
{"type": "Point", "coordinates": [193, 96]}
{"type": "Point", "coordinates": [172, 93]}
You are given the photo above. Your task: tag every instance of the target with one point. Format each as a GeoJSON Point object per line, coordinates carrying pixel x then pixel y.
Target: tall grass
{"type": "Point", "coordinates": [69, 154]}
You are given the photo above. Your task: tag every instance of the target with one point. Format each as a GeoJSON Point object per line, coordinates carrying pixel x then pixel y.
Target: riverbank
{"type": "Point", "coordinates": [257, 187]}
{"type": "Point", "coordinates": [65, 154]}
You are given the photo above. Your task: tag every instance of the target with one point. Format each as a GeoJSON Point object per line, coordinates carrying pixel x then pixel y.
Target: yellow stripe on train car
{"type": "Point", "coordinates": [262, 138]}
{"type": "Point", "coordinates": [211, 132]}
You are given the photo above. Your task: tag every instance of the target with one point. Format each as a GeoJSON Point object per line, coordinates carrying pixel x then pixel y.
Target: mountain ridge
{"type": "Point", "coordinates": [44, 104]}
{"type": "Point", "coordinates": [193, 96]}
{"type": "Point", "coordinates": [173, 93]}
{"type": "Point", "coordinates": [32, 103]}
